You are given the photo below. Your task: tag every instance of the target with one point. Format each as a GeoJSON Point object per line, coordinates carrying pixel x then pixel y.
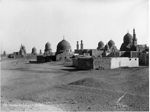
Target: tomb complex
{"type": "Point", "coordinates": [130, 54]}
{"type": "Point", "coordinates": [63, 46]}
{"type": "Point", "coordinates": [63, 51]}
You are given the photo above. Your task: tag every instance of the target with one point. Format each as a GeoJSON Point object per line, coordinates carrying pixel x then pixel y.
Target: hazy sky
{"type": "Point", "coordinates": [35, 22]}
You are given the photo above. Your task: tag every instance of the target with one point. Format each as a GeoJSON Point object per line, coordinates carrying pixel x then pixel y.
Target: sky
{"type": "Point", "coordinates": [33, 23]}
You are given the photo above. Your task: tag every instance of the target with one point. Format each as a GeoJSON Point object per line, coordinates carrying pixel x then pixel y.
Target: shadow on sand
{"type": "Point", "coordinates": [71, 68]}
{"type": "Point", "coordinates": [35, 62]}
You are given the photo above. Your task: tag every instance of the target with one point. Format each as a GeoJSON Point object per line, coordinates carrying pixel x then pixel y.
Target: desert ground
{"type": "Point", "coordinates": [57, 86]}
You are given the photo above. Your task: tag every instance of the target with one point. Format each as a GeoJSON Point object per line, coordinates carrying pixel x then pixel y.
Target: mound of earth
{"type": "Point", "coordinates": [90, 82]}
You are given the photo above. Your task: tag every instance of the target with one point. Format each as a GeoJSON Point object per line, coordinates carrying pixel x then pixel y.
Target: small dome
{"type": "Point", "coordinates": [106, 47]}
{"type": "Point", "coordinates": [63, 45]}
{"type": "Point", "coordinates": [128, 38]}
{"type": "Point", "coordinates": [100, 45]}
{"type": "Point", "coordinates": [111, 43]}
{"type": "Point", "coordinates": [34, 50]}
{"type": "Point", "coordinates": [47, 46]}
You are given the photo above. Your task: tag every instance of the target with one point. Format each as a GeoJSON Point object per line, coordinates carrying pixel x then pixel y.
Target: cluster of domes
{"type": "Point", "coordinates": [110, 46]}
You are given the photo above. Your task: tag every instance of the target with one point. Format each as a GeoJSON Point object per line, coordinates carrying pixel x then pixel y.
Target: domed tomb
{"type": "Point", "coordinates": [106, 47]}
{"type": "Point", "coordinates": [100, 45]}
{"type": "Point", "coordinates": [34, 51]}
{"type": "Point", "coordinates": [128, 38]}
{"type": "Point", "coordinates": [111, 43]}
{"type": "Point", "coordinates": [63, 46]}
{"type": "Point", "coordinates": [48, 47]}
{"type": "Point", "coordinates": [22, 50]}
{"type": "Point", "coordinates": [128, 45]}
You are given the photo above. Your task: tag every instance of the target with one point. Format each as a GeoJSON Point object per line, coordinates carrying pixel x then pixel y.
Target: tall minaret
{"type": "Point", "coordinates": [81, 45]}
{"type": "Point", "coordinates": [77, 45]}
{"type": "Point", "coordinates": [134, 38]}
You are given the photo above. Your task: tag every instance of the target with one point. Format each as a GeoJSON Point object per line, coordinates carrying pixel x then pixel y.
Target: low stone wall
{"type": "Point", "coordinates": [105, 62]}
{"type": "Point", "coordinates": [63, 56]}
{"type": "Point", "coordinates": [40, 58]}
{"type": "Point", "coordinates": [124, 62]}
{"type": "Point", "coordinates": [75, 62]}
{"type": "Point", "coordinates": [102, 63]}
{"type": "Point", "coordinates": [85, 63]}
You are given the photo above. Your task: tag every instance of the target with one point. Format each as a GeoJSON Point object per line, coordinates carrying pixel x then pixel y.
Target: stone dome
{"type": "Point", "coordinates": [106, 47]}
{"type": "Point", "coordinates": [34, 50]}
{"type": "Point", "coordinates": [47, 46]}
{"type": "Point", "coordinates": [128, 38]}
{"type": "Point", "coordinates": [63, 46]}
{"type": "Point", "coordinates": [100, 45]}
{"type": "Point", "coordinates": [111, 43]}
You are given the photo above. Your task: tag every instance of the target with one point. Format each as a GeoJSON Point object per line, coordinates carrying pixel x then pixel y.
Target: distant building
{"type": "Point", "coordinates": [20, 54]}
{"type": "Point", "coordinates": [130, 43]}
{"type": "Point", "coordinates": [63, 51]}
{"type": "Point", "coordinates": [87, 63]}
{"type": "Point", "coordinates": [34, 51]}
{"type": "Point", "coordinates": [48, 49]}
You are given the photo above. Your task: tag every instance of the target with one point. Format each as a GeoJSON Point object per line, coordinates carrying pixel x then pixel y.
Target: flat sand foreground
{"type": "Point", "coordinates": [57, 86]}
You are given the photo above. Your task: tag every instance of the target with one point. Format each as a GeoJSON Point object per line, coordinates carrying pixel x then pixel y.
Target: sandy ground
{"type": "Point", "coordinates": [55, 86]}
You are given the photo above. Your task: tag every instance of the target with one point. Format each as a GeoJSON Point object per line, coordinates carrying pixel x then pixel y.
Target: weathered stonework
{"type": "Point", "coordinates": [87, 63]}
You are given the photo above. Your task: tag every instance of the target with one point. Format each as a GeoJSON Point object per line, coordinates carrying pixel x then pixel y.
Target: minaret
{"type": "Point", "coordinates": [134, 38]}
{"type": "Point", "coordinates": [81, 45]}
{"type": "Point", "coordinates": [77, 45]}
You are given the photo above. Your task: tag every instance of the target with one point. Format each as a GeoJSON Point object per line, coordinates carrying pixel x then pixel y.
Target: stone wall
{"type": "Point", "coordinates": [85, 63]}
{"type": "Point", "coordinates": [124, 62]}
{"type": "Point", "coordinates": [143, 57]}
{"type": "Point", "coordinates": [40, 58]}
{"type": "Point", "coordinates": [101, 63]}
{"type": "Point", "coordinates": [63, 56]}
{"type": "Point", "coordinates": [75, 62]}
{"type": "Point", "coordinates": [96, 53]}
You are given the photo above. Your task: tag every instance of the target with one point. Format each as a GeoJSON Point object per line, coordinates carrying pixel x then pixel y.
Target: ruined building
{"type": "Point", "coordinates": [21, 53]}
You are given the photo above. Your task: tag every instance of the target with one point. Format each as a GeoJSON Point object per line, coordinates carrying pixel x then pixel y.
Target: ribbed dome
{"type": "Point", "coordinates": [47, 46]}
{"type": "Point", "coordinates": [63, 45]}
{"type": "Point", "coordinates": [100, 44]}
{"type": "Point", "coordinates": [128, 38]}
{"type": "Point", "coordinates": [111, 43]}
